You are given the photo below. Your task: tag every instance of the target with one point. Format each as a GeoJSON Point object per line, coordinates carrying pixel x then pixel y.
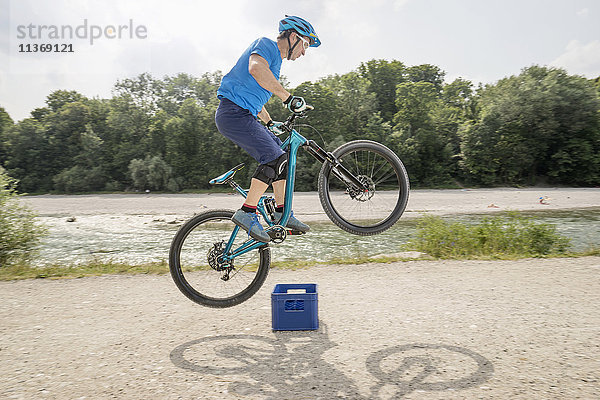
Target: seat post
{"type": "Point", "coordinates": [237, 187]}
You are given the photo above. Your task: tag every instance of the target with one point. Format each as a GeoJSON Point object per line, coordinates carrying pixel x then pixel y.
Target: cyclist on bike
{"type": "Point", "coordinates": [243, 94]}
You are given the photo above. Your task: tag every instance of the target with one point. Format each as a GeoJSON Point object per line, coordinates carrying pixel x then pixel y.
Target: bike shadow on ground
{"type": "Point", "coordinates": [293, 363]}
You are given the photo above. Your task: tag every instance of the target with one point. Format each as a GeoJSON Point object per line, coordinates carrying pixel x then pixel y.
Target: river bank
{"type": "Point", "coordinates": [307, 205]}
{"type": "Point", "coordinates": [138, 229]}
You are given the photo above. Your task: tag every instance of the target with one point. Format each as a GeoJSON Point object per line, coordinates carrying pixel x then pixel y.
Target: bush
{"type": "Point", "coordinates": [511, 235]}
{"type": "Point", "coordinates": [152, 173]}
{"type": "Point", "coordinates": [19, 235]}
{"type": "Point", "coordinates": [80, 179]}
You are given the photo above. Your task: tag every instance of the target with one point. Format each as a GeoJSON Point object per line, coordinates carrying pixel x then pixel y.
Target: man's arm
{"type": "Point", "coordinates": [264, 115]}
{"type": "Point", "coordinates": [259, 69]}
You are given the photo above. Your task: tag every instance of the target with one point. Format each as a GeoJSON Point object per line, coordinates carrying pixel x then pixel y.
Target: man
{"type": "Point", "coordinates": [243, 94]}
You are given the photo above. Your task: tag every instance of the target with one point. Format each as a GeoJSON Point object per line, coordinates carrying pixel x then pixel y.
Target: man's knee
{"type": "Point", "coordinates": [282, 164]}
{"type": "Point", "coordinates": [273, 170]}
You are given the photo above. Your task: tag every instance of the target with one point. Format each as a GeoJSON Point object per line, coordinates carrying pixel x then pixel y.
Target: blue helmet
{"type": "Point", "coordinates": [301, 26]}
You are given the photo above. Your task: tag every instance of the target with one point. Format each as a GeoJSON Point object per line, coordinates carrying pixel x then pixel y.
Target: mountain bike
{"type": "Point", "coordinates": [363, 188]}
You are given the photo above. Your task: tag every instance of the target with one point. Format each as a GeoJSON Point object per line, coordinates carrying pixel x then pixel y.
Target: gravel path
{"type": "Point", "coordinates": [416, 330]}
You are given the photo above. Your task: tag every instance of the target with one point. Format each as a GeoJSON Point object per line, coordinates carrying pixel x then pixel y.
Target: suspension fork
{"type": "Point", "coordinates": [337, 168]}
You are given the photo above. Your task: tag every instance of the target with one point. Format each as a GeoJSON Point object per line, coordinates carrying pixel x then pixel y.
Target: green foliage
{"type": "Point", "coordinates": [542, 124]}
{"type": "Point", "coordinates": [383, 77]}
{"type": "Point", "coordinates": [425, 133]}
{"type": "Point", "coordinates": [19, 234]}
{"type": "Point", "coordinates": [28, 156]}
{"type": "Point", "coordinates": [5, 124]}
{"type": "Point", "coordinates": [60, 98]}
{"type": "Point", "coordinates": [80, 179]}
{"type": "Point", "coordinates": [152, 173]}
{"type": "Point", "coordinates": [494, 237]}
{"type": "Point", "coordinates": [427, 73]}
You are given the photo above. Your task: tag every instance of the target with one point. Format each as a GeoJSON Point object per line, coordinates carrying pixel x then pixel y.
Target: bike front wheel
{"type": "Point", "coordinates": [199, 270]}
{"type": "Point", "coordinates": [371, 211]}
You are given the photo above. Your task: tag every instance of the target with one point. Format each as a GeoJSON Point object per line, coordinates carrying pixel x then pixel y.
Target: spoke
{"type": "Point", "coordinates": [383, 164]}
{"type": "Point", "coordinates": [357, 164]}
{"type": "Point", "coordinates": [386, 177]}
{"type": "Point", "coordinates": [374, 162]}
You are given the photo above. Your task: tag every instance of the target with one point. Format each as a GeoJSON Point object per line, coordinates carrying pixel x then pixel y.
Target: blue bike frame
{"type": "Point", "coordinates": [291, 145]}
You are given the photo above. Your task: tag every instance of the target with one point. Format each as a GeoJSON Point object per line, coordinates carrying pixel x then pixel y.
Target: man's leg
{"type": "Point", "coordinates": [293, 223]}
{"type": "Point", "coordinates": [279, 191]}
{"type": "Point", "coordinates": [246, 217]}
{"type": "Point", "coordinates": [257, 188]}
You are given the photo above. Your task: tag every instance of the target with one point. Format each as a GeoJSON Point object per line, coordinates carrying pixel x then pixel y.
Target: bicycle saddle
{"type": "Point", "coordinates": [227, 176]}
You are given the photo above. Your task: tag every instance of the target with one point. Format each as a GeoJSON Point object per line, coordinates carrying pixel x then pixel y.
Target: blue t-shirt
{"type": "Point", "coordinates": [241, 87]}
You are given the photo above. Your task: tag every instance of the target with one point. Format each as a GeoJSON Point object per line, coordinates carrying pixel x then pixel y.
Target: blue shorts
{"type": "Point", "coordinates": [241, 127]}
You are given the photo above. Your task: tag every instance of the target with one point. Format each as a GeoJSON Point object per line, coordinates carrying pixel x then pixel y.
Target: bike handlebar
{"type": "Point", "coordinates": [289, 122]}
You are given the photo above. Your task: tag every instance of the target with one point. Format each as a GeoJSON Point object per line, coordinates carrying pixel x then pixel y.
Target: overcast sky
{"type": "Point", "coordinates": [479, 40]}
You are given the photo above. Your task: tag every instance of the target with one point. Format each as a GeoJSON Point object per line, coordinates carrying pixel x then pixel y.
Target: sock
{"type": "Point", "coordinates": [248, 208]}
{"type": "Point", "coordinates": [279, 208]}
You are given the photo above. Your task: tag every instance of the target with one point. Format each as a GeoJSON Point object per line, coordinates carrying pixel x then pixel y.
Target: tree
{"type": "Point", "coordinates": [384, 76]}
{"type": "Point", "coordinates": [66, 129]}
{"type": "Point", "coordinates": [426, 73]}
{"type": "Point", "coordinates": [28, 158]}
{"type": "Point", "coordinates": [354, 104]}
{"type": "Point", "coordinates": [541, 123]}
{"type": "Point", "coordinates": [426, 129]}
{"type": "Point", "coordinates": [126, 136]}
{"type": "Point", "coordinates": [152, 173]}
{"type": "Point", "coordinates": [59, 98]}
{"type": "Point", "coordinates": [144, 92]}
{"type": "Point", "coordinates": [87, 174]}
{"type": "Point", "coordinates": [79, 179]}
{"type": "Point", "coordinates": [194, 148]}
{"type": "Point", "coordinates": [460, 95]}
{"type": "Point", "coordinates": [181, 87]}
{"type": "Point", "coordinates": [596, 83]}
{"type": "Point", "coordinates": [5, 124]}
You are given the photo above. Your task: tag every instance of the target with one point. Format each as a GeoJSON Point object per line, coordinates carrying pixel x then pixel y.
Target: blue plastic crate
{"type": "Point", "coordinates": [294, 307]}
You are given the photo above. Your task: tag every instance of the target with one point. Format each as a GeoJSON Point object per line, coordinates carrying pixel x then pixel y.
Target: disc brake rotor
{"type": "Point", "coordinates": [215, 259]}
{"type": "Point", "coordinates": [363, 194]}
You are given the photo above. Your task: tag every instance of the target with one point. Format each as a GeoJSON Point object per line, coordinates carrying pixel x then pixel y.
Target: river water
{"type": "Point", "coordinates": [138, 239]}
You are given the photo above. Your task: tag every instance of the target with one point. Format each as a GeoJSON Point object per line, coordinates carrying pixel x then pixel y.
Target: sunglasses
{"type": "Point", "coordinates": [305, 42]}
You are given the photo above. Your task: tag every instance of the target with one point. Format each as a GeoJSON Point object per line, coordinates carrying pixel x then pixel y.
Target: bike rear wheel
{"type": "Point", "coordinates": [373, 211]}
{"type": "Point", "coordinates": [198, 271]}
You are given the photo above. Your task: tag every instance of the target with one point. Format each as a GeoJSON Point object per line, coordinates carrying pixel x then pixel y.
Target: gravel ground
{"type": "Point", "coordinates": [523, 329]}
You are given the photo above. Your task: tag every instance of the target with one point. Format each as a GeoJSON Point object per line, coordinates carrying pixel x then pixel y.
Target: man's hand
{"type": "Point", "coordinates": [296, 104]}
{"type": "Point", "coordinates": [275, 127]}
